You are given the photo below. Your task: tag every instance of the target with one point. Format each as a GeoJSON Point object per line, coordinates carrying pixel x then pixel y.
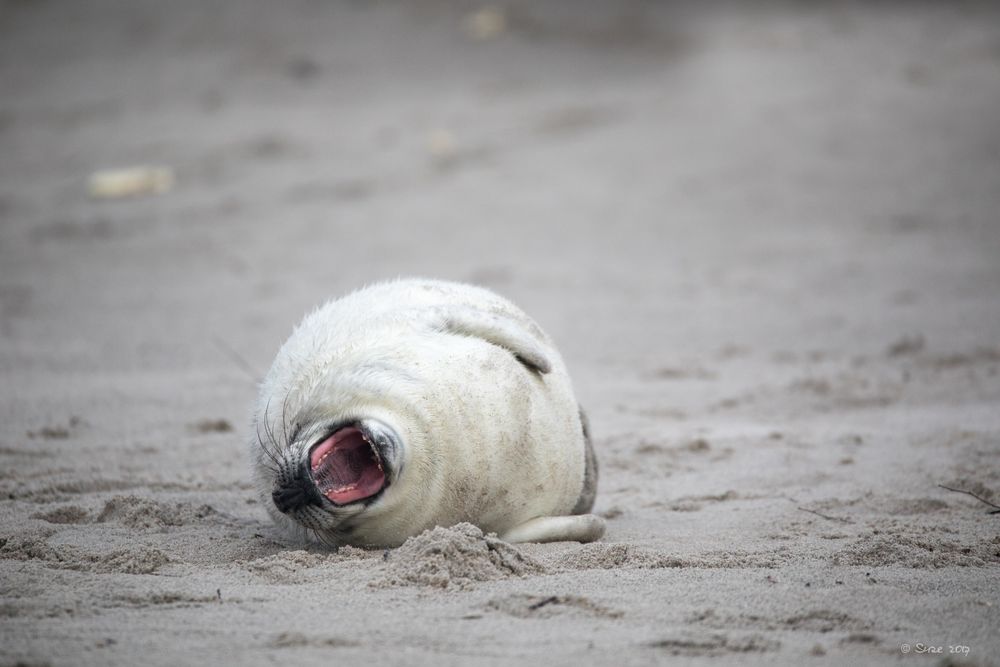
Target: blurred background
{"type": "Point", "coordinates": [661, 184]}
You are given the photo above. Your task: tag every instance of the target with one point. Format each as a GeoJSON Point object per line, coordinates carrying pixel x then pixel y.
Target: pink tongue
{"type": "Point", "coordinates": [345, 468]}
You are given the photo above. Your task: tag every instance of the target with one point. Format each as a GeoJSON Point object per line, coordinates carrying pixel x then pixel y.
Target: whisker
{"type": "Point", "coordinates": [273, 469]}
{"type": "Point", "coordinates": [284, 421]}
{"type": "Point", "coordinates": [269, 432]}
{"type": "Point", "coordinates": [265, 449]}
{"type": "Point", "coordinates": [267, 422]}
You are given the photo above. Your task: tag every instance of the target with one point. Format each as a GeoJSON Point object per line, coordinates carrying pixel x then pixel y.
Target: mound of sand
{"type": "Point", "coordinates": [122, 560]}
{"type": "Point", "coordinates": [136, 512]}
{"type": "Point", "coordinates": [453, 557]}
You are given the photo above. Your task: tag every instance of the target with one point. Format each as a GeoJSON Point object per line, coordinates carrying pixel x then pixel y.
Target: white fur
{"type": "Point", "coordinates": [486, 438]}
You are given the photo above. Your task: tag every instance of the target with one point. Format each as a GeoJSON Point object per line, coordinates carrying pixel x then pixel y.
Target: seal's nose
{"type": "Point", "coordinates": [295, 493]}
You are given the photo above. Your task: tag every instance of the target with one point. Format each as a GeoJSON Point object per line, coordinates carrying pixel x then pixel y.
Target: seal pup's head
{"type": "Point", "coordinates": [324, 474]}
{"type": "Point", "coordinates": [319, 469]}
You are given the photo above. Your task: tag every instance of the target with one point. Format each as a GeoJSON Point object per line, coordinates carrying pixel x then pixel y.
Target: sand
{"type": "Point", "coordinates": [766, 240]}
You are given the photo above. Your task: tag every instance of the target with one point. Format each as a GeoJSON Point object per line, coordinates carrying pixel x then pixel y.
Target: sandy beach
{"type": "Point", "coordinates": [765, 236]}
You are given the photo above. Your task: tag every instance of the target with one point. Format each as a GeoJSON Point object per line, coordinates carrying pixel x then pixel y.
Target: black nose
{"type": "Point", "coordinates": [295, 493]}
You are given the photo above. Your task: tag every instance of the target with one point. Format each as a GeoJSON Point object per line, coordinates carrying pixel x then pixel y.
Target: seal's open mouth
{"type": "Point", "coordinates": [346, 467]}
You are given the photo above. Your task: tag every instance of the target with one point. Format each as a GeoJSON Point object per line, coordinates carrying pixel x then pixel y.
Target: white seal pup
{"type": "Point", "coordinates": [420, 403]}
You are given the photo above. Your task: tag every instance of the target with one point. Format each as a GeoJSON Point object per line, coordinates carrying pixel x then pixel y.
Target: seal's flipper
{"type": "Point", "coordinates": [578, 528]}
{"type": "Point", "coordinates": [504, 332]}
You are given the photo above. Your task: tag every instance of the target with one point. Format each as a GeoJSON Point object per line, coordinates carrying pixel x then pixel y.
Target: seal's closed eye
{"type": "Point", "coordinates": [501, 331]}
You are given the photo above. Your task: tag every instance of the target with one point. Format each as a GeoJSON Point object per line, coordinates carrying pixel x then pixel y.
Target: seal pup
{"type": "Point", "coordinates": [419, 403]}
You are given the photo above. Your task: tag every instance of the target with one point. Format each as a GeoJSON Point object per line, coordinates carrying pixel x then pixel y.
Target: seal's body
{"type": "Point", "coordinates": [420, 403]}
